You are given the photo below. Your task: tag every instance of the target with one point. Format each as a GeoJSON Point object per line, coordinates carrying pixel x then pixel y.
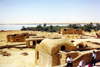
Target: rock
{"type": "Point", "coordinates": [25, 53]}
{"type": "Point", "coordinates": [8, 54]}
{"type": "Point", "coordinates": [0, 51]}
{"type": "Point", "coordinates": [5, 53]}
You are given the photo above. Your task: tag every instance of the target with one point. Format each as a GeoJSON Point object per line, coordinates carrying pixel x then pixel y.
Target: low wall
{"type": "Point", "coordinates": [64, 56]}
{"type": "Point", "coordinates": [72, 36]}
{"type": "Point", "coordinates": [87, 58]}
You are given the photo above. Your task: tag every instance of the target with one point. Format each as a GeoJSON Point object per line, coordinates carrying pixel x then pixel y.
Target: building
{"type": "Point", "coordinates": [71, 31]}
{"type": "Point", "coordinates": [18, 37]}
{"type": "Point", "coordinates": [47, 52]}
{"type": "Point", "coordinates": [67, 31]}
{"type": "Point", "coordinates": [54, 52]}
{"type": "Point", "coordinates": [33, 41]}
{"type": "Point", "coordinates": [77, 31]}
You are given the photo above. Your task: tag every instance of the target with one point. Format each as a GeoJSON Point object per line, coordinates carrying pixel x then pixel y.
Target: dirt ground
{"type": "Point", "coordinates": [18, 60]}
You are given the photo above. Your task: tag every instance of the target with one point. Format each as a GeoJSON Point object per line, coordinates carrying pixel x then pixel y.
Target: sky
{"type": "Point", "coordinates": [49, 11]}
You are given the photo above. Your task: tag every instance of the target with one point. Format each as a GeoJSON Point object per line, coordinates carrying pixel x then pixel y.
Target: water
{"type": "Point", "coordinates": [14, 27]}
{"type": "Point", "coordinates": [18, 27]}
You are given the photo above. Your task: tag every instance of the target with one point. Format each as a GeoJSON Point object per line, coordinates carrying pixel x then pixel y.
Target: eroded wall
{"type": "Point", "coordinates": [77, 31]}
{"type": "Point", "coordinates": [32, 42]}
{"type": "Point", "coordinates": [87, 57]}
{"type": "Point", "coordinates": [71, 31]}
{"type": "Point", "coordinates": [64, 56]}
{"type": "Point", "coordinates": [67, 31]}
{"type": "Point", "coordinates": [17, 38]}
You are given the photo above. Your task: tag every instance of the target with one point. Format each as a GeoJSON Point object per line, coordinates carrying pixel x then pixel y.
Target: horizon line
{"type": "Point", "coordinates": [50, 23]}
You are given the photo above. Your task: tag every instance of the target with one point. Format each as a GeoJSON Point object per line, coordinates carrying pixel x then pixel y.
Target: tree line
{"type": "Point", "coordinates": [52, 28]}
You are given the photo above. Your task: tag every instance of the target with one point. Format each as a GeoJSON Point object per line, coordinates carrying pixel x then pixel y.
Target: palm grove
{"type": "Point", "coordinates": [51, 28]}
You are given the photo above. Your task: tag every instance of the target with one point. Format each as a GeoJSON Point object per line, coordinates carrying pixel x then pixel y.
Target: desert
{"type": "Point", "coordinates": [15, 59]}
{"type": "Point", "coordinates": [23, 56]}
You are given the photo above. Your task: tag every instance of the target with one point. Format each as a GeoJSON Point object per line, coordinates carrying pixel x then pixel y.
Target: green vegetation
{"type": "Point", "coordinates": [8, 47]}
{"type": "Point", "coordinates": [21, 48]}
{"type": "Point", "coordinates": [33, 47]}
{"type": "Point", "coordinates": [51, 28]}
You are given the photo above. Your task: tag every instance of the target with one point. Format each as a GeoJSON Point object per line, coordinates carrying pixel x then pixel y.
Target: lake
{"type": "Point", "coordinates": [14, 27]}
{"type": "Point", "coordinates": [18, 27]}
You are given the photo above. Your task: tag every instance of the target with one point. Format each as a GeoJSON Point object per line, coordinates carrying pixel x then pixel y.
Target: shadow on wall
{"type": "Point", "coordinates": [87, 58]}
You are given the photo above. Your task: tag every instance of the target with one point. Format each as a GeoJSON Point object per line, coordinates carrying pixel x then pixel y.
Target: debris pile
{"type": "Point", "coordinates": [4, 53]}
{"type": "Point", "coordinates": [24, 54]}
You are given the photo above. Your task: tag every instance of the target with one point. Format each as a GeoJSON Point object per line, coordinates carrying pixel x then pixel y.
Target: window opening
{"type": "Point", "coordinates": [63, 48]}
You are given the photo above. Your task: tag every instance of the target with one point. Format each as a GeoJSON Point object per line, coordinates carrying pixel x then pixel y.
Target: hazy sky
{"type": "Point", "coordinates": [33, 11]}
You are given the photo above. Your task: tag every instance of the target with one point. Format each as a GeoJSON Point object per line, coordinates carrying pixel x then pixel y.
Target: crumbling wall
{"type": "Point", "coordinates": [72, 36]}
{"type": "Point", "coordinates": [77, 31]}
{"type": "Point", "coordinates": [64, 56]}
{"type": "Point", "coordinates": [29, 43]}
{"type": "Point", "coordinates": [67, 31]}
{"type": "Point", "coordinates": [71, 31]}
{"type": "Point", "coordinates": [36, 37]}
{"type": "Point", "coordinates": [32, 42]}
{"type": "Point", "coordinates": [58, 32]}
{"type": "Point", "coordinates": [97, 35]}
{"type": "Point", "coordinates": [8, 38]}
{"type": "Point", "coordinates": [87, 57]}
{"type": "Point", "coordinates": [17, 38]}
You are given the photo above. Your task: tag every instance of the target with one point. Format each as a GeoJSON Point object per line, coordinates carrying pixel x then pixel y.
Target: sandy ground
{"type": "Point", "coordinates": [18, 60]}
